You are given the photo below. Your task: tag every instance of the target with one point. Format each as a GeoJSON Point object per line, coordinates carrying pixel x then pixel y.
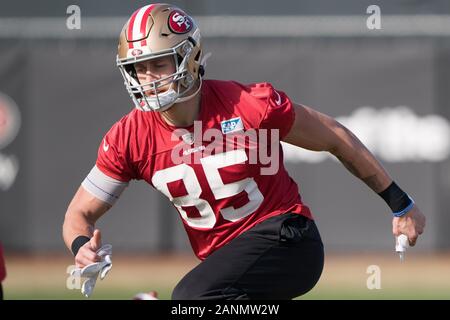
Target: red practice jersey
{"type": "Point", "coordinates": [208, 170]}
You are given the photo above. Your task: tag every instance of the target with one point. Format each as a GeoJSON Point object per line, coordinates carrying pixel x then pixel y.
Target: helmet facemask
{"type": "Point", "coordinates": [181, 82]}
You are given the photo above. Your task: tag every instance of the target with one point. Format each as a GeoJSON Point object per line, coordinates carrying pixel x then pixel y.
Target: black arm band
{"type": "Point", "coordinates": [78, 243]}
{"type": "Point", "coordinates": [398, 200]}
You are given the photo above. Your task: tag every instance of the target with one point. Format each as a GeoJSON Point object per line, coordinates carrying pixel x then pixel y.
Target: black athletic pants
{"type": "Point", "coordinates": [280, 258]}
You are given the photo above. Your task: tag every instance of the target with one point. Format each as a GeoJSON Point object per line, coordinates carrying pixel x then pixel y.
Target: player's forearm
{"type": "Point", "coordinates": [352, 153]}
{"type": "Point", "coordinates": [75, 224]}
{"type": "Point", "coordinates": [84, 210]}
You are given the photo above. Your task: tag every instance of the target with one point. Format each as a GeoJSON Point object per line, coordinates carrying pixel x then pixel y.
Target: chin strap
{"type": "Point", "coordinates": [183, 99]}
{"type": "Point", "coordinates": [162, 96]}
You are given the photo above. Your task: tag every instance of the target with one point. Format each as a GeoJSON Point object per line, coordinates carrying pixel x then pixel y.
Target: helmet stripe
{"type": "Point", "coordinates": [136, 27]}
{"type": "Point", "coordinates": [138, 23]}
{"type": "Point", "coordinates": [144, 23]}
{"type": "Point", "coordinates": [130, 29]}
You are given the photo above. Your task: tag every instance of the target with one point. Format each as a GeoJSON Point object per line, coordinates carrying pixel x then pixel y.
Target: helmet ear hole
{"type": "Point", "coordinates": [197, 56]}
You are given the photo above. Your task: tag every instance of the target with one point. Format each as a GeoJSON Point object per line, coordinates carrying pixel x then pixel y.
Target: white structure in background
{"type": "Point", "coordinates": [9, 128]}
{"type": "Point", "coordinates": [392, 134]}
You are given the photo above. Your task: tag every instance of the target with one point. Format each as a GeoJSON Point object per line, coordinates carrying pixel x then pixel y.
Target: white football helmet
{"type": "Point", "coordinates": [154, 31]}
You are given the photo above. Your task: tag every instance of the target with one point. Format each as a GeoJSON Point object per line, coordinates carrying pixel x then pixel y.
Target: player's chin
{"type": "Point", "coordinates": [153, 94]}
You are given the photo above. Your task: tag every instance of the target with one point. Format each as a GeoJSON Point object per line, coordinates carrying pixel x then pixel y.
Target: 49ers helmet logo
{"type": "Point", "coordinates": [180, 22]}
{"type": "Point", "coordinates": [136, 52]}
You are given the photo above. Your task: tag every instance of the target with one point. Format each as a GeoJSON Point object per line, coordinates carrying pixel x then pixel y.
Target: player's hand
{"type": "Point", "coordinates": [92, 270]}
{"type": "Point", "coordinates": [88, 252]}
{"type": "Point", "coordinates": [411, 224]}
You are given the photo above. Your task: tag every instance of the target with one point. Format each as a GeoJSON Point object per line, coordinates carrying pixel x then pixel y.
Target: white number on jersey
{"type": "Point", "coordinates": [211, 166]}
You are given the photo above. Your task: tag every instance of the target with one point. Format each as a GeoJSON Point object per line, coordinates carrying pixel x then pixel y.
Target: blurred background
{"type": "Point", "coordinates": [60, 92]}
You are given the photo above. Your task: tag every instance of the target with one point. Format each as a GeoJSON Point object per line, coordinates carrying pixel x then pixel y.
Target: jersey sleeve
{"type": "Point", "coordinates": [113, 159]}
{"type": "Point", "coordinates": [280, 113]}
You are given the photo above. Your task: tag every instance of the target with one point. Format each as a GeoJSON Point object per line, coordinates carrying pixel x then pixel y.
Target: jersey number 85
{"type": "Point", "coordinates": [211, 166]}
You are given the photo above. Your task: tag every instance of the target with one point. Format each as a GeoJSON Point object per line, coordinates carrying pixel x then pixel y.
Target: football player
{"type": "Point", "coordinates": [193, 139]}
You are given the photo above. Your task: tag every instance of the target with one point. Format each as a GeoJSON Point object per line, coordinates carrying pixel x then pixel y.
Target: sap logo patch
{"type": "Point", "coordinates": [232, 125]}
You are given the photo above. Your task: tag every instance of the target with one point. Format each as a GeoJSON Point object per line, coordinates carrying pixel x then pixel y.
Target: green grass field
{"type": "Point", "coordinates": [344, 277]}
